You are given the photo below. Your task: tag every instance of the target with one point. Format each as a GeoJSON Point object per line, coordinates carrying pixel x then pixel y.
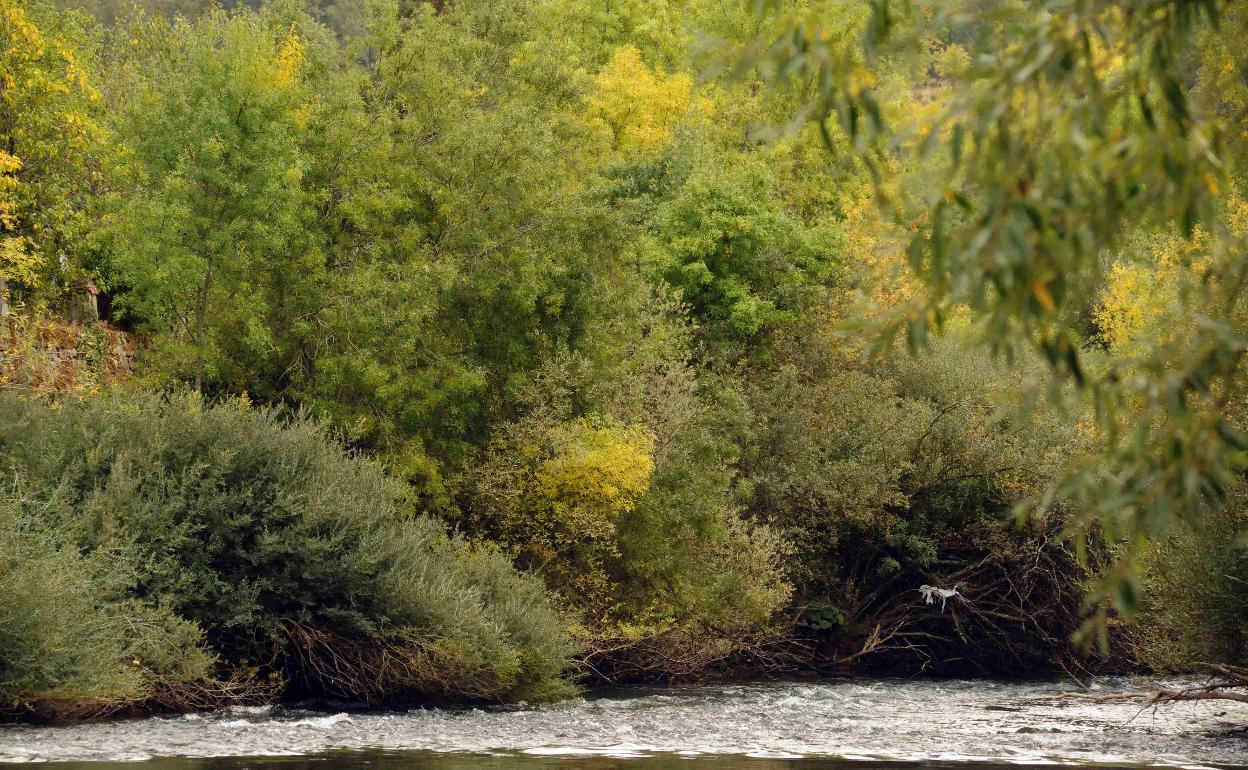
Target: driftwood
{"type": "Point", "coordinates": [694, 654]}
{"type": "Point", "coordinates": [995, 612]}
{"type": "Point", "coordinates": [1227, 683]}
{"type": "Point", "coordinates": [391, 669]}
{"type": "Point", "coordinates": [239, 688]}
{"type": "Point", "coordinates": [977, 612]}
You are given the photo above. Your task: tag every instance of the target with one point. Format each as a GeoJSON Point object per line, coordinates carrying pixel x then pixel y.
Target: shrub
{"type": "Point", "coordinates": [889, 475]}
{"type": "Point", "coordinates": [555, 494]}
{"type": "Point", "coordinates": [71, 643]}
{"type": "Point", "coordinates": [41, 355]}
{"type": "Point", "coordinates": [1196, 609]}
{"type": "Point", "coordinates": [289, 552]}
{"type": "Point", "coordinates": [632, 519]}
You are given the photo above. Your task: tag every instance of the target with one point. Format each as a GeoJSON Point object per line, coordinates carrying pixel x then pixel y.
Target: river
{"type": "Point", "coordinates": [838, 724]}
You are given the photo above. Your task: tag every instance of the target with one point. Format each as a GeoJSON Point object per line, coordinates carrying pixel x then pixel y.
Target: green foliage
{"type": "Point", "coordinates": [212, 223]}
{"type": "Point", "coordinates": [600, 286]}
{"type": "Point", "coordinates": [689, 544]}
{"type": "Point", "coordinates": [253, 529]}
{"type": "Point", "coordinates": [623, 532]}
{"type": "Point", "coordinates": [1081, 124]}
{"type": "Point", "coordinates": [1194, 609]}
{"type": "Point", "coordinates": [741, 262]}
{"type": "Point", "coordinates": [555, 492]}
{"type": "Point", "coordinates": [459, 246]}
{"type": "Point", "coordinates": [897, 462]}
{"type": "Point", "coordinates": [71, 641]}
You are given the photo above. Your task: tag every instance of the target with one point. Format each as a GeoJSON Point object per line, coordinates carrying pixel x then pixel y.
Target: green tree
{"type": "Point", "coordinates": [741, 261]}
{"type": "Point", "coordinates": [467, 235]}
{"type": "Point", "coordinates": [212, 233]}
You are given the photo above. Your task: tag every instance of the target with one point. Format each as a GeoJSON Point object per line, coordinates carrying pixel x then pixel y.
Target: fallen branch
{"type": "Point", "coordinates": [1231, 684]}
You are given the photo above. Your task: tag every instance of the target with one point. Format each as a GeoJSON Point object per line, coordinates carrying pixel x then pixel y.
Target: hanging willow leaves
{"type": "Point", "coordinates": [1077, 125]}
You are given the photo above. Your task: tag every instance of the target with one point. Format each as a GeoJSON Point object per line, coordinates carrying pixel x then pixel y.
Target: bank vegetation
{"type": "Point", "coordinates": [477, 352]}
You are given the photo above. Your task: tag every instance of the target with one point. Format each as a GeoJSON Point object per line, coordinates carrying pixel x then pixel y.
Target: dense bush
{"type": "Point", "coordinates": [888, 476]}
{"type": "Point", "coordinates": [290, 554]}
{"type": "Point", "coordinates": [638, 541]}
{"type": "Point", "coordinates": [618, 486]}
{"type": "Point", "coordinates": [71, 642]}
{"type": "Point", "coordinates": [1196, 610]}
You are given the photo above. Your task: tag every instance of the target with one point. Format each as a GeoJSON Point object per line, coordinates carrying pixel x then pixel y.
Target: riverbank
{"type": "Point", "coordinates": [164, 553]}
{"type": "Point", "coordinates": [423, 353]}
{"type": "Point", "coordinates": [888, 723]}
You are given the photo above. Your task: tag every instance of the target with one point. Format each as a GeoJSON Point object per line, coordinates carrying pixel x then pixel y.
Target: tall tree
{"type": "Point", "coordinates": [48, 142]}
{"type": "Point", "coordinates": [212, 234]}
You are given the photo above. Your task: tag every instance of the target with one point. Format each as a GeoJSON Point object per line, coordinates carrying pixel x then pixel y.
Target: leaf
{"type": "Point", "coordinates": [1040, 291]}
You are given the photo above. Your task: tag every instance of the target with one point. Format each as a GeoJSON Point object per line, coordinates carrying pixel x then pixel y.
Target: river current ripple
{"type": "Point", "coordinates": [885, 721]}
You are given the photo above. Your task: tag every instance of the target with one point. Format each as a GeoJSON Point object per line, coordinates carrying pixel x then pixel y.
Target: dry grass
{"type": "Point", "coordinates": [48, 357]}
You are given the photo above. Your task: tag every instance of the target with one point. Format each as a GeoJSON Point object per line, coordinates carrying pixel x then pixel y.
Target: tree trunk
{"type": "Point", "coordinates": [6, 314]}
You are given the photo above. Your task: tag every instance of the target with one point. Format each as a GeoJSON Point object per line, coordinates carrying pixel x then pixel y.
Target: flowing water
{"type": "Point", "coordinates": [841, 724]}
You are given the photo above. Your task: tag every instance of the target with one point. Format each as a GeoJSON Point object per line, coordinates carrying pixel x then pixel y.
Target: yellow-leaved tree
{"type": "Point", "coordinates": [555, 492]}
{"type": "Point", "coordinates": [637, 107]}
{"type": "Point", "coordinates": [1148, 299]}
{"type": "Point", "coordinates": [46, 134]}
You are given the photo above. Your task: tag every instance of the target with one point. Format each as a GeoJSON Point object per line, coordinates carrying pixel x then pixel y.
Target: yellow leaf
{"type": "Point", "coordinates": [1041, 292]}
